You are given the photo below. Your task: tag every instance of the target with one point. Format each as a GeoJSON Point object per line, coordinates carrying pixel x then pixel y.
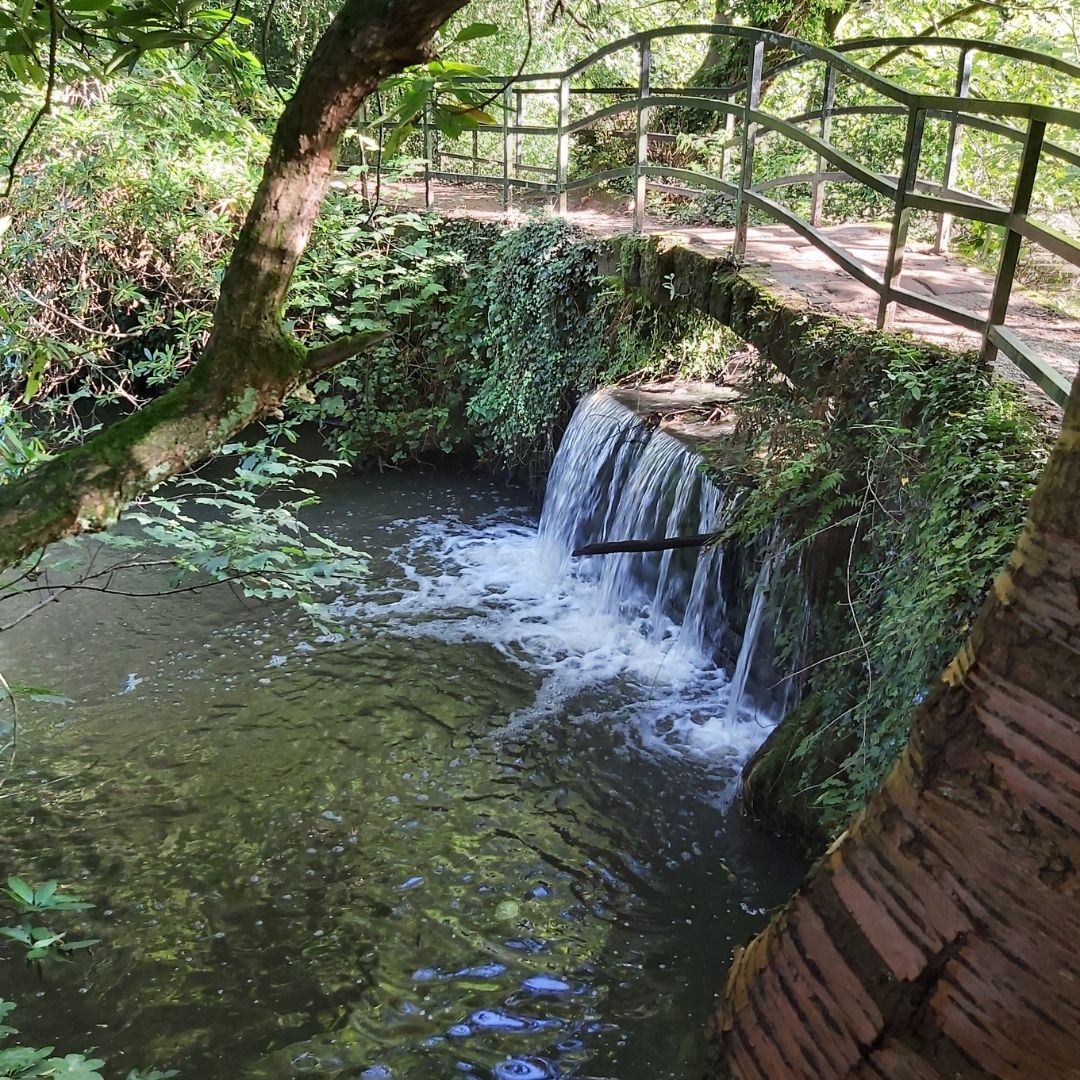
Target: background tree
{"type": "Point", "coordinates": [251, 362]}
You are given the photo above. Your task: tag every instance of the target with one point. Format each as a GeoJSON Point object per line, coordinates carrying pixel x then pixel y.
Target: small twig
{"type": "Point", "coordinates": [222, 31]}
{"type": "Point", "coordinates": [931, 31]}
{"type": "Point", "coordinates": [27, 573]}
{"type": "Point", "coordinates": [524, 60]}
{"type": "Point", "coordinates": [854, 616]}
{"type": "Point", "coordinates": [13, 743]}
{"type": "Point", "coordinates": [46, 106]}
{"type": "Point", "coordinates": [32, 610]}
{"type": "Point", "coordinates": [133, 564]}
{"type": "Point", "coordinates": [115, 335]}
{"type": "Point", "coordinates": [816, 663]}
{"type": "Point", "coordinates": [268, 21]}
{"type": "Point", "coordinates": [113, 570]}
{"type": "Point", "coordinates": [885, 510]}
{"type": "Point", "coordinates": [57, 779]}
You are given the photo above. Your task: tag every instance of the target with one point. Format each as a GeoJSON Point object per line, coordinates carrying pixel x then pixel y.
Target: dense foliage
{"type": "Point", "coordinates": [902, 480]}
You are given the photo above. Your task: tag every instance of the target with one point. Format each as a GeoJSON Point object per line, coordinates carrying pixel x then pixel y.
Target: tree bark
{"type": "Point", "coordinates": [940, 936]}
{"type": "Point", "coordinates": [251, 363]}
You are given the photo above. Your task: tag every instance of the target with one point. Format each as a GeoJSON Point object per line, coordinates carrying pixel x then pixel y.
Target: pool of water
{"type": "Point", "coordinates": [486, 833]}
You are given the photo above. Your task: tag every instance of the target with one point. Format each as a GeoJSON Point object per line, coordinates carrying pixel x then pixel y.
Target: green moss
{"type": "Point", "coordinates": [779, 787]}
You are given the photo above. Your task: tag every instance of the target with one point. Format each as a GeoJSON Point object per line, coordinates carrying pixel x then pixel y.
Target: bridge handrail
{"type": "Point", "coordinates": [808, 51]}
{"type": "Point", "coordinates": [741, 105]}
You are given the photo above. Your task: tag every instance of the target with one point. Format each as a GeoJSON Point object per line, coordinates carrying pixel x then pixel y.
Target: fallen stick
{"type": "Point", "coordinates": [667, 543]}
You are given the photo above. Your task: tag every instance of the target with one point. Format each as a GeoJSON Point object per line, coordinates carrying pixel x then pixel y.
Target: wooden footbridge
{"type": "Point", "coordinates": [915, 154]}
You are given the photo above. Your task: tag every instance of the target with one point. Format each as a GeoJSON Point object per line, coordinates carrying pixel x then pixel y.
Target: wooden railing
{"type": "Point", "coordinates": [747, 122]}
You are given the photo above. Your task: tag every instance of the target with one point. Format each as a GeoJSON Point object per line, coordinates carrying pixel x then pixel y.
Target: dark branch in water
{"type": "Point", "coordinates": [666, 543]}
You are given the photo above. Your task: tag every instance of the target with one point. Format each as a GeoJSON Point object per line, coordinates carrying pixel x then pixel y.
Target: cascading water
{"type": "Point", "coordinates": [638, 639]}
{"type": "Point", "coordinates": [616, 479]}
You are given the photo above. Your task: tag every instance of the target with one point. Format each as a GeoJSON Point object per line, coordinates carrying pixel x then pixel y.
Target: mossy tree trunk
{"type": "Point", "coordinates": [725, 58]}
{"type": "Point", "coordinates": [251, 363]}
{"type": "Point", "coordinates": [940, 936]}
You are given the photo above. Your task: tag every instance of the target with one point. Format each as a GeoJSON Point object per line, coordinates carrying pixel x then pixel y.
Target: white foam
{"type": "Point", "coordinates": [597, 633]}
{"type": "Point", "coordinates": [496, 584]}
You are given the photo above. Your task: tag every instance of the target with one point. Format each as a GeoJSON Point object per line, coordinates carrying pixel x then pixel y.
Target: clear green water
{"type": "Point", "coordinates": [378, 857]}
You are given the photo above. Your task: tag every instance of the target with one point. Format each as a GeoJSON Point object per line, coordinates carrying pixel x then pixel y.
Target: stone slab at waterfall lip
{"type": "Point", "coordinates": [692, 412]}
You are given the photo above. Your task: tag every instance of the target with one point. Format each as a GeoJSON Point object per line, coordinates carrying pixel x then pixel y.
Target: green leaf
{"type": "Point", "coordinates": [75, 1067]}
{"type": "Point", "coordinates": [19, 1060]}
{"type": "Point", "coordinates": [82, 943]}
{"type": "Point", "coordinates": [43, 893]}
{"type": "Point", "coordinates": [18, 888]}
{"type": "Point", "coordinates": [454, 67]}
{"type": "Point", "coordinates": [474, 31]}
{"type": "Point", "coordinates": [396, 138]}
{"type": "Point", "coordinates": [125, 54]}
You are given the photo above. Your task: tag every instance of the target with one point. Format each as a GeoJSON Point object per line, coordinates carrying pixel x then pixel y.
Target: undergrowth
{"type": "Point", "coordinates": [907, 472]}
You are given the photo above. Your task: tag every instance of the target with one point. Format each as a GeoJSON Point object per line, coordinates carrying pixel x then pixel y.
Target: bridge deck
{"type": "Point", "coordinates": [796, 265]}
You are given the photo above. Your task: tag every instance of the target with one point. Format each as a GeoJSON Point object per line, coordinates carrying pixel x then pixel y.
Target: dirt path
{"type": "Point", "coordinates": [795, 264]}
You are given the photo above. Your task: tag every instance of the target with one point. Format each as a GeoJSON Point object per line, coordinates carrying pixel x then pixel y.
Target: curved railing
{"type": "Point", "coordinates": [747, 122]}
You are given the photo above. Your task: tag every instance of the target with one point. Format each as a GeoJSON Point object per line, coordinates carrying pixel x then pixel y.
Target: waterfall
{"type": "Point", "coordinates": [673, 648]}
{"type": "Point", "coordinates": [616, 477]}
{"type": "Point", "coordinates": [737, 687]}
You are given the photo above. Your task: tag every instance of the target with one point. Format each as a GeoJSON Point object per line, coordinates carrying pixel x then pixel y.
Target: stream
{"type": "Point", "coordinates": [485, 833]}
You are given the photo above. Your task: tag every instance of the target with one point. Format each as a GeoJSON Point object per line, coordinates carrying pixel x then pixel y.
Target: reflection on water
{"type": "Point", "coordinates": [483, 836]}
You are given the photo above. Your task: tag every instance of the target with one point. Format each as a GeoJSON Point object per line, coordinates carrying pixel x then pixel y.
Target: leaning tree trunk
{"type": "Point", "coordinates": [251, 363]}
{"type": "Point", "coordinates": [940, 936]}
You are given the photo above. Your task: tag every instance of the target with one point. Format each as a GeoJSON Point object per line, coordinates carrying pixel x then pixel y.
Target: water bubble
{"type": "Point", "coordinates": [546, 984]}
{"type": "Point", "coordinates": [480, 971]}
{"type": "Point", "coordinates": [521, 1069]}
{"type": "Point", "coordinates": [496, 1020]}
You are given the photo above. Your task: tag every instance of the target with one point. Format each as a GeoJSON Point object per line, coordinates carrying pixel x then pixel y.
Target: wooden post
{"type": "Point", "coordinates": [729, 135]}
{"type": "Point", "coordinates": [506, 144]}
{"type": "Point", "coordinates": [429, 153]}
{"type": "Point", "coordinates": [1010, 251]}
{"type": "Point", "coordinates": [364, 188]}
{"type": "Point", "coordinates": [476, 152]}
{"type": "Point", "coordinates": [746, 176]}
{"type": "Point", "coordinates": [519, 138]}
{"type": "Point", "coordinates": [905, 185]}
{"type": "Point", "coordinates": [642, 159]}
{"type": "Point", "coordinates": [963, 88]}
{"type": "Point", "coordinates": [828, 100]}
{"type": "Point", "coordinates": [562, 155]}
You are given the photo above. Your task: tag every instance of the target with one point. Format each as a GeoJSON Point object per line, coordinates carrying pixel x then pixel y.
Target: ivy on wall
{"type": "Point", "coordinates": [904, 484]}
